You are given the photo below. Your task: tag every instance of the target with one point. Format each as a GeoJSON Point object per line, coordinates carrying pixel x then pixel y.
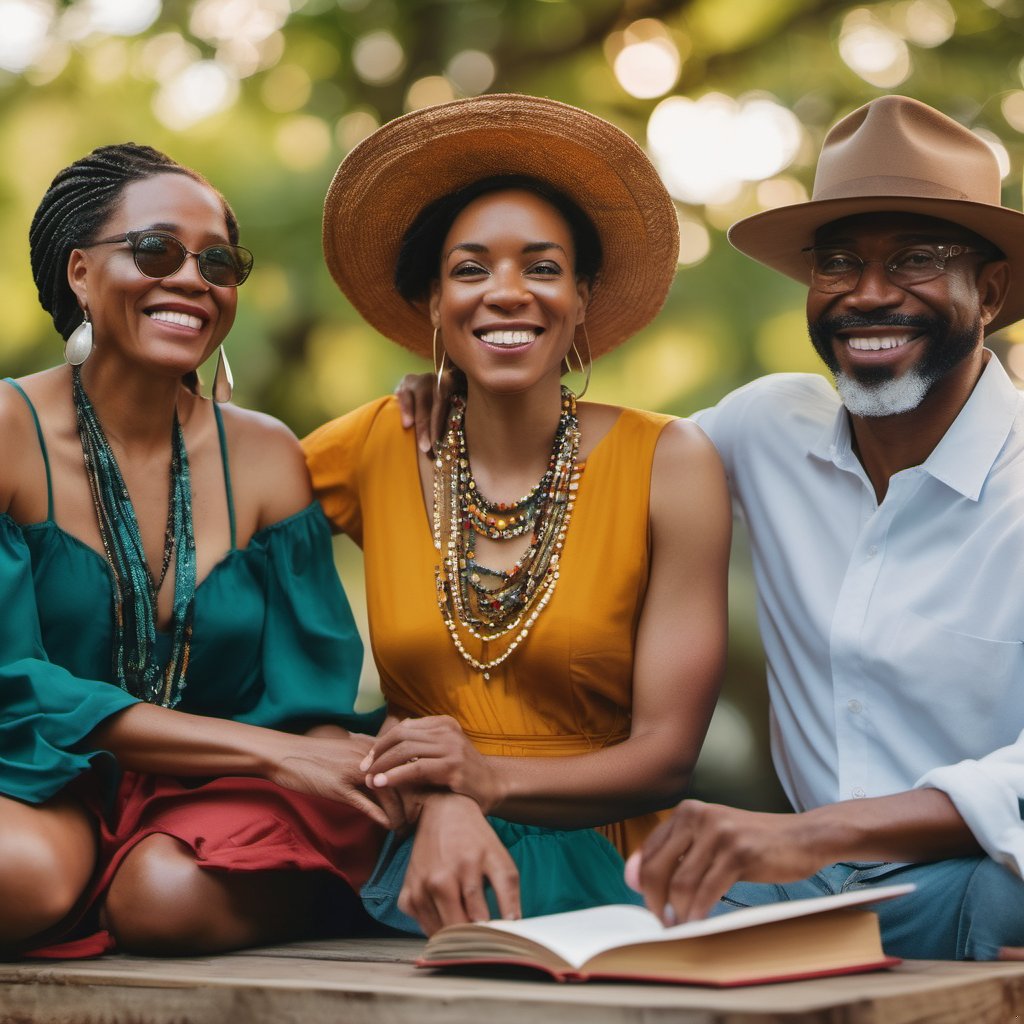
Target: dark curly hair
{"type": "Point", "coordinates": [76, 205]}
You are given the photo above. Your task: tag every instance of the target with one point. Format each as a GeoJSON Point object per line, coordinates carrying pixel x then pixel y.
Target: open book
{"type": "Point", "coordinates": [779, 942]}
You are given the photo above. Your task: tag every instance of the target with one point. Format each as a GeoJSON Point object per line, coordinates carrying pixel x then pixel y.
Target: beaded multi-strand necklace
{"type": "Point", "coordinates": [491, 604]}
{"type": "Point", "coordinates": [135, 588]}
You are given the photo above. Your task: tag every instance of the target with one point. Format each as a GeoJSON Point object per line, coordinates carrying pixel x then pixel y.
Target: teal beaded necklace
{"type": "Point", "coordinates": [135, 665]}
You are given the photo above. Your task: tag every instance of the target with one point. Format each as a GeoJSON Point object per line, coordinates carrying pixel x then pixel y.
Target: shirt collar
{"type": "Point", "coordinates": [964, 457]}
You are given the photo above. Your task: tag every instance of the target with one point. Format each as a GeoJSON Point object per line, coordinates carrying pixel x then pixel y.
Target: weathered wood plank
{"type": "Point", "coordinates": [373, 982]}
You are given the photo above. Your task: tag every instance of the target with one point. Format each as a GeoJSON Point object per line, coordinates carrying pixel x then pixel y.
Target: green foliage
{"type": "Point", "coordinates": [315, 85]}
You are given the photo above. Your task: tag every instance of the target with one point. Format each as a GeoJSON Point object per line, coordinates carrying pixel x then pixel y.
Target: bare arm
{"type": "Point", "coordinates": [155, 740]}
{"type": "Point", "coordinates": [692, 859]}
{"type": "Point", "coordinates": [677, 667]}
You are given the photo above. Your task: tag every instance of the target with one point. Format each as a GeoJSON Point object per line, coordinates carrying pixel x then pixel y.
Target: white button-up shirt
{"type": "Point", "coordinates": [893, 632]}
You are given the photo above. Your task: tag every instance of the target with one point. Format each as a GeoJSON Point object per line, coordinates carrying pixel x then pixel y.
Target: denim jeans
{"type": "Point", "coordinates": [962, 909]}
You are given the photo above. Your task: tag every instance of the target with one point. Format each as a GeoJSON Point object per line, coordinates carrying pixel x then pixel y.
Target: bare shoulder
{"type": "Point", "coordinates": [20, 452]}
{"type": "Point", "coordinates": [687, 473]}
{"type": "Point", "coordinates": [267, 464]}
{"type": "Point", "coordinates": [682, 444]}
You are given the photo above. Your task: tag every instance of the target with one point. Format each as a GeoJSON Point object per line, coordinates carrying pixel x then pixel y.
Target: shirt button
{"type": "Point", "coordinates": [872, 551]}
{"type": "Point", "coordinates": [857, 793]}
{"type": "Point", "coordinates": [855, 707]}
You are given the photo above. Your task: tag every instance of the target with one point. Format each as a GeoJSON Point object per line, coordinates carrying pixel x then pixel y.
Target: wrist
{"type": "Point", "coordinates": [499, 788]}
{"type": "Point", "coordinates": [834, 832]}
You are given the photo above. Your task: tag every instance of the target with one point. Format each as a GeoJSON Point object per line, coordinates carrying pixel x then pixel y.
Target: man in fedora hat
{"type": "Point", "coordinates": [887, 529]}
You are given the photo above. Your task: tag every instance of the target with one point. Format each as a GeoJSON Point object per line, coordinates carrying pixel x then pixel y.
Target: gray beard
{"type": "Point", "coordinates": [884, 397]}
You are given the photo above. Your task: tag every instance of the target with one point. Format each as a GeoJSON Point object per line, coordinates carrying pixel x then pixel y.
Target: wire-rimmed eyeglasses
{"type": "Point", "coordinates": [838, 270]}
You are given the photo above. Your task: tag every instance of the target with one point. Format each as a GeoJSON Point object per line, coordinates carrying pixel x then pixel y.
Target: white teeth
{"type": "Point", "coordinates": [171, 317]}
{"type": "Point", "coordinates": [875, 343]}
{"type": "Point", "coordinates": [509, 338]}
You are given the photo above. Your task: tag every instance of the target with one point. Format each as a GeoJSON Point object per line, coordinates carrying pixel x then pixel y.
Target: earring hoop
{"type": "Point", "coordinates": [584, 367]}
{"type": "Point", "coordinates": [438, 367]}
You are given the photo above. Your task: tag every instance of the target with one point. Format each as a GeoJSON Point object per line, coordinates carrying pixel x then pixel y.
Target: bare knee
{"type": "Point", "coordinates": [46, 858]}
{"type": "Point", "coordinates": [155, 903]}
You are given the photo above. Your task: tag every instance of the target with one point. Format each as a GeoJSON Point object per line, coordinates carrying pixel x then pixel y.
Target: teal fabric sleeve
{"type": "Point", "coordinates": [45, 712]}
{"type": "Point", "coordinates": [312, 653]}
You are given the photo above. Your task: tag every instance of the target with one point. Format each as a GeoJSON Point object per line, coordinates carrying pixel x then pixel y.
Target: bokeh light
{"type": "Point", "coordinates": [425, 92]}
{"type": "Point", "coordinates": [354, 127]}
{"type": "Point", "coordinates": [873, 50]}
{"type": "Point", "coordinates": [109, 17]}
{"type": "Point", "coordinates": [648, 69]}
{"type": "Point", "coordinates": [926, 23]}
{"type": "Point", "coordinates": [1012, 106]}
{"type": "Point", "coordinates": [694, 241]}
{"type": "Point", "coordinates": [378, 58]}
{"type": "Point", "coordinates": [471, 72]}
{"type": "Point", "coordinates": [195, 93]}
{"type": "Point", "coordinates": [706, 149]}
{"type": "Point", "coordinates": [26, 24]}
{"type": "Point", "coordinates": [302, 142]}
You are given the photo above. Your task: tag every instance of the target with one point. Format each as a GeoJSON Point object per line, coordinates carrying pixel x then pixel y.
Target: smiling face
{"type": "Point", "coordinates": [169, 324]}
{"type": "Point", "coordinates": [507, 300]}
{"type": "Point", "coordinates": [890, 345]}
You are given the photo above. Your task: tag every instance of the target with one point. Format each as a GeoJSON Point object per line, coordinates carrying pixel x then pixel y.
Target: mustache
{"type": "Point", "coordinates": [852, 321]}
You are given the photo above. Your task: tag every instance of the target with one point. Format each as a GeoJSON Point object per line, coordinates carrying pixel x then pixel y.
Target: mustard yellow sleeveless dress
{"type": "Point", "coordinates": [568, 688]}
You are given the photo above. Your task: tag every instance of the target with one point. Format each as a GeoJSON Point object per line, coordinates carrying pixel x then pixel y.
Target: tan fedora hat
{"type": "Point", "coordinates": [894, 154]}
{"type": "Point", "coordinates": [393, 174]}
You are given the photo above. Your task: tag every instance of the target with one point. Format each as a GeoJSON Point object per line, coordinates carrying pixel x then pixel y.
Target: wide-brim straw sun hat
{"type": "Point", "coordinates": [394, 173]}
{"type": "Point", "coordinates": [894, 154]}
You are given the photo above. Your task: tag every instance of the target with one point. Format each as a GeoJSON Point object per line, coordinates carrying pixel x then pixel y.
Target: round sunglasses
{"type": "Point", "coordinates": [159, 254]}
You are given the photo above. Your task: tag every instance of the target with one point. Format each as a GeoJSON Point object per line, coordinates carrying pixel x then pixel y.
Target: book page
{"type": "Point", "coordinates": [577, 935]}
{"type": "Point", "coordinates": [750, 917]}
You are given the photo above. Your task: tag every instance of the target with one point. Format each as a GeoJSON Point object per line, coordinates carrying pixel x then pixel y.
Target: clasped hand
{"type": "Point", "coordinates": [326, 762]}
{"type": "Point", "coordinates": [423, 754]}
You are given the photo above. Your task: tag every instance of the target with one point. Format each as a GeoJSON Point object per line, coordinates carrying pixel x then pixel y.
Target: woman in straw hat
{"type": "Point", "coordinates": [547, 587]}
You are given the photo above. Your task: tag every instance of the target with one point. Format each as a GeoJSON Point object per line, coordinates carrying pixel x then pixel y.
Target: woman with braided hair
{"type": "Point", "coordinates": [177, 659]}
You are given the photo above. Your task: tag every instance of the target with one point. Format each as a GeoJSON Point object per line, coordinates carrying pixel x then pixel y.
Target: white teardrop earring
{"type": "Point", "coordinates": [78, 347]}
{"type": "Point", "coordinates": [223, 382]}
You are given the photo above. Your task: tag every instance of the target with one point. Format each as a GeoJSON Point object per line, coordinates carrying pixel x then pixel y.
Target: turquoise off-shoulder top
{"type": "Point", "coordinates": [274, 643]}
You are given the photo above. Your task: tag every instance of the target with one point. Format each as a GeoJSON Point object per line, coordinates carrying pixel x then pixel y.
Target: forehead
{"type": "Point", "coordinates": [516, 213]}
{"type": "Point", "coordinates": [173, 200]}
{"type": "Point", "coordinates": [890, 227]}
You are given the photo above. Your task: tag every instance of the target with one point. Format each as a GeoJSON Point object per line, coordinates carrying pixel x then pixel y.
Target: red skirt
{"type": "Point", "coordinates": [230, 824]}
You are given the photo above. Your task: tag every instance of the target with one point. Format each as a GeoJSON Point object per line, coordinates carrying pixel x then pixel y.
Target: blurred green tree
{"type": "Point", "coordinates": [732, 97]}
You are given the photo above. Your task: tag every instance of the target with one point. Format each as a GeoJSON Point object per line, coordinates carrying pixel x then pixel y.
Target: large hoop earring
{"type": "Point", "coordinates": [438, 367]}
{"type": "Point", "coordinates": [78, 347]}
{"type": "Point", "coordinates": [584, 367]}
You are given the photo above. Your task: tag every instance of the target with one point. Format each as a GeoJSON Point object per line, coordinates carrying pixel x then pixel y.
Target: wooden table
{"type": "Point", "coordinates": [374, 982]}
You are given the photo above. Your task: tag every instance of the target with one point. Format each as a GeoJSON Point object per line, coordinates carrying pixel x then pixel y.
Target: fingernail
{"type": "Point", "coordinates": [668, 915]}
{"type": "Point", "coordinates": [632, 872]}
{"type": "Point", "coordinates": [380, 779]}
{"type": "Point", "coordinates": [364, 765]}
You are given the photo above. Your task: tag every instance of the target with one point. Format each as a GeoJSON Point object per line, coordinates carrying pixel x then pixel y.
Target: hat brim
{"type": "Point", "coordinates": [776, 237]}
{"type": "Point", "coordinates": [391, 176]}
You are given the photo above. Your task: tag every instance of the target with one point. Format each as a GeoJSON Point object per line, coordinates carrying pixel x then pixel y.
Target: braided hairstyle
{"type": "Point", "coordinates": [77, 204]}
